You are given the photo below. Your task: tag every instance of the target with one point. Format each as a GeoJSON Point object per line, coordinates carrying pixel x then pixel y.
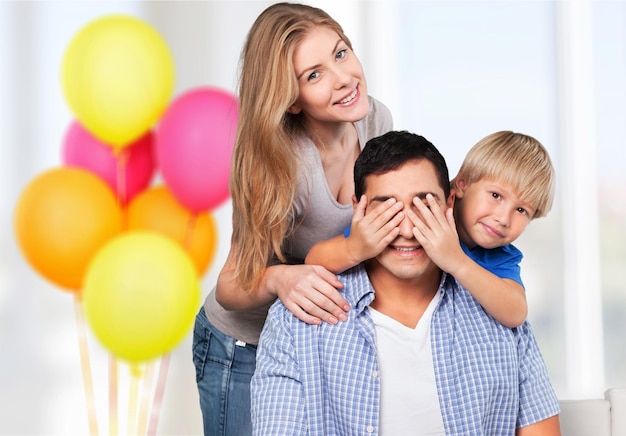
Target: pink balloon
{"type": "Point", "coordinates": [194, 146]}
{"type": "Point", "coordinates": [127, 171]}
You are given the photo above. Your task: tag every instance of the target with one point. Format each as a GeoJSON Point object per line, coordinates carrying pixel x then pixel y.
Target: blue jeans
{"type": "Point", "coordinates": [223, 373]}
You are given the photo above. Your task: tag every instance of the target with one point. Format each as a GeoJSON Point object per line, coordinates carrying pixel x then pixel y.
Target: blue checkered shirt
{"type": "Point", "coordinates": [324, 380]}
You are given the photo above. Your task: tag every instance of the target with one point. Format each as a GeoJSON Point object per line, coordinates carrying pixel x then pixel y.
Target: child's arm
{"type": "Point", "coordinates": [503, 298]}
{"type": "Point", "coordinates": [369, 234]}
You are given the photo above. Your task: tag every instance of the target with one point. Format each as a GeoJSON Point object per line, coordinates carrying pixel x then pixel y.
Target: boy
{"type": "Point", "coordinates": [506, 180]}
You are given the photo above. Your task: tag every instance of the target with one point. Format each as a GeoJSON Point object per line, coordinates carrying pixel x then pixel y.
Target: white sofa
{"type": "Point", "coordinates": [595, 417]}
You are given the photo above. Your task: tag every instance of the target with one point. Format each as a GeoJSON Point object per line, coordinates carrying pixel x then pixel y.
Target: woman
{"type": "Point", "coordinates": [304, 116]}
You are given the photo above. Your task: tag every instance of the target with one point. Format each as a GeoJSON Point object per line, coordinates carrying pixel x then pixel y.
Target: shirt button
{"type": "Point", "coordinates": [375, 374]}
{"type": "Point", "coordinates": [370, 429]}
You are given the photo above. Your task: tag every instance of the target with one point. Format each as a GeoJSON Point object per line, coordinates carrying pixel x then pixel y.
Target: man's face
{"type": "Point", "coordinates": [404, 258]}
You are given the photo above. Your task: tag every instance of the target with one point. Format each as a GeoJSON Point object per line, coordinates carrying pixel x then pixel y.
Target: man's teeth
{"type": "Point", "coordinates": [348, 98]}
{"type": "Point", "coordinates": [405, 248]}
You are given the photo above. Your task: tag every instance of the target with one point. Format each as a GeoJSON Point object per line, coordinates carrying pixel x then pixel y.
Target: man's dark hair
{"type": "Point", "coordinates": [391, 151]}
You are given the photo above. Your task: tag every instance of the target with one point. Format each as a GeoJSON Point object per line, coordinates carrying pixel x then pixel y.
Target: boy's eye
{"type": "Point", "coordinates": [496, 195]}
{"type": "Point", "coordinates": [522, 211]}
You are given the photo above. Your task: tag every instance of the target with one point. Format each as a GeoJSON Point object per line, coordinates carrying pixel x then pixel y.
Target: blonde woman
{"type": "Point", "coordinates": [304, 117]}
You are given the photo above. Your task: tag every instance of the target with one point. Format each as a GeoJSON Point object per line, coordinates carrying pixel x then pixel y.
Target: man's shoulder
{"type": "Point", "coordinates": [356, 287]}
{"type": "Point", "coordinates": [356, 284]}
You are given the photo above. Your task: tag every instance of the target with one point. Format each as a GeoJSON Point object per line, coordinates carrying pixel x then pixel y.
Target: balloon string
{"type": "Point", "coordinates": [132, 403]}
{"type": "Point", "coordinates": [145, 399]}
{"type": "Point", "coordinates": [121, 184]}
{"type": "Point", "coordinates": [113, 420]}
{"type": "Point", "coordinates": [165, 359]}
{"type": "Point", "coordinates": [86, 367]}
{"type": "Point", "coordinates": [158, 395]}
{"type": "Point", "coordinates": [191, 223]}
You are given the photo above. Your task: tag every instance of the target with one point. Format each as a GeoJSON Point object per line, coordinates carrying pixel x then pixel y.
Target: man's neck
{"type": "Point", "coordinates": [404, 300]}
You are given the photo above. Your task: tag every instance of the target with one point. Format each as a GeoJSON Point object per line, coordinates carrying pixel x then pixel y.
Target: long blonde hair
{"type": "Point", "coordinates": [265, 167]}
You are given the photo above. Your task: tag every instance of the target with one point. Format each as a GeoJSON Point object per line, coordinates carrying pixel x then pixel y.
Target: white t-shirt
{"type": "Point", "coordinates": [409, 404]}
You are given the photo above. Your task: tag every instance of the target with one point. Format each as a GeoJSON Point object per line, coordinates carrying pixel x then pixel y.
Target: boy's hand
{"type": "Point", "coordinates": [370, 233]}
{"type": "Point", "coordinates": [437, 233]}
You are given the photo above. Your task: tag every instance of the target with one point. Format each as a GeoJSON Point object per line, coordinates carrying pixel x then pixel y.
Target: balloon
{"type": "Point", "coordinates": [127, 171]}
{"type": "Point", "coordinates": [118, 78]}
{"type": "Point", "coordinates": [156, 209]}
{"type": "Point", "coordinates": [141, 295]}
{"type": "Point", "coordinates": [194, 146]}
{"type": "Point", "coordinates": [61, 219]}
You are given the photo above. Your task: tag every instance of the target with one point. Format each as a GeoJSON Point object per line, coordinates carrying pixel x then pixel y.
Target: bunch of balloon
{"type": "Point", "coordinates": [87, 227]}
{"type": "Point", "coordinates": [118, 78]}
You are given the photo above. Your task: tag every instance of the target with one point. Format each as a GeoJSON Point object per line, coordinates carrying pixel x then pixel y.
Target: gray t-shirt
{"type": "Point", "coordinates": [318, 214]}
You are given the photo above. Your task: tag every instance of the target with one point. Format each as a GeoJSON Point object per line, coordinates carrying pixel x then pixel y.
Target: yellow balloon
{"type": "Point", "coordinates": [118, 78]}
{"type": "Point", "coordinates": [141, 295]}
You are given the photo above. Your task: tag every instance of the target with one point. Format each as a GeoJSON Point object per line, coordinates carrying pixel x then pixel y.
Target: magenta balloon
{"type": "Point", "coordinates": [194, 147]}
{"type": "Point", "coordinates": [127, 171]}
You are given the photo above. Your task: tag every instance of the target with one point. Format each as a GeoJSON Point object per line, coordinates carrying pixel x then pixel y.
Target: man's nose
{"type": "Point", "coordinates": [406, 227]}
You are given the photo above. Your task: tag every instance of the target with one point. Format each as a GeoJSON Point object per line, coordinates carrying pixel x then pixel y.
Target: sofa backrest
{"type": "Point", "coordinates": [585, 417]}
{"type": "Point", "coordinates": [595, 417]}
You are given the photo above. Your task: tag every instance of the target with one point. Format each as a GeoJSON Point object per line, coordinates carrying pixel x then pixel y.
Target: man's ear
{"type": "Point", "coordinates": [294, 109]}
{"type": "Point", "coordinates": [354, 201]}
{"type": "Point", "coordinates": [451, 198]}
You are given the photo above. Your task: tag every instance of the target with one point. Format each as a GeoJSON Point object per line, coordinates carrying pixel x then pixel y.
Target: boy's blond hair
{"type": "Point", "coordinates": [515, 159]}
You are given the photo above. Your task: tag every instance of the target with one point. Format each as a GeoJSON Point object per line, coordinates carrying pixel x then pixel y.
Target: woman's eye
{"type": "Point", "coordinates": [341, 54]}
{"type": "Point", "coordinates": [314, 75]}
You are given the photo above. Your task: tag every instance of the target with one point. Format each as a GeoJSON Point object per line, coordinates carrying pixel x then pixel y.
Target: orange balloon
{"type": "Point", "coordinates": [156, 209]}
{"type": "Point", "coordinates": [62, 218]}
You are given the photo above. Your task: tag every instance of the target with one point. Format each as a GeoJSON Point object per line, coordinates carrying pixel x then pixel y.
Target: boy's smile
{"type": "Point", "coordinates": [490, 214]}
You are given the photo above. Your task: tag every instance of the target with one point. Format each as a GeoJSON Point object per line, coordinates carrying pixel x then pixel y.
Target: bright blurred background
{"type": "Point", "coordinates": [453, 71]}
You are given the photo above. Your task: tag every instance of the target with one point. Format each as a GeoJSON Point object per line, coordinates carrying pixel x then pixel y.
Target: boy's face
{"type": "Point", "coordinates": [404, 258]}
{"type": "Point", "coordinates": [490, 214]}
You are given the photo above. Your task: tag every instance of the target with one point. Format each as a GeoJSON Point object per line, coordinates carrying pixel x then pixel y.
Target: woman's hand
{"type": "Point", "coordinates": [310, 292]}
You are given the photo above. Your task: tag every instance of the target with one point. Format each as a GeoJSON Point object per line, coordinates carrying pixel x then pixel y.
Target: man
{"type": "Point", "coordinates": [418, 355]}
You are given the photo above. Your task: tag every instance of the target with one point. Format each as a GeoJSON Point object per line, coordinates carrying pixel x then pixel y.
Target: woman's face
{"type": "Point", "coordinates": [331, 82]}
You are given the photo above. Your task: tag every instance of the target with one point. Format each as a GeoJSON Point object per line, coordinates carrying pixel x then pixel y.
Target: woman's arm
{"type": "Point", "coordinates": [310, 292]}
